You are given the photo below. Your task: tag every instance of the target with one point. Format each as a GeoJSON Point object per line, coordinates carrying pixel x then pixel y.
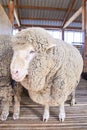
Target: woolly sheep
{"type": "Point", "coordinates": [6, 91]}
{"type": "Point", "coordinates": [50, 69]}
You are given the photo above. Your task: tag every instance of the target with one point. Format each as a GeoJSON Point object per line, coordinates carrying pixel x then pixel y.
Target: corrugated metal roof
{"type": "Point", "coordinates": [4, 2]}
{"type": "Point", "coordinates": [41, 22]}
{"type": "Point", "coordinates": [47, 3]}
{"type": "Point", "coordinates": [43, 15]}
{"type": "Point", "coordinates": [74, 24]}
{"type": "Point", "coordinates": [77, 5]}
{"type": "Point", "coordinates": [29, 13]}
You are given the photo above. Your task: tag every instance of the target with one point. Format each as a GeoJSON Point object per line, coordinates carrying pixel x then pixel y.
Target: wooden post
{"type": "Point", "coordinates": [11, 11]}
{"type": "Point", "coordinates": [63, 34]}
{"type": "Point", "coordinates": [5, 24]}
{"type": "Point", "coordinates": [84, 28]}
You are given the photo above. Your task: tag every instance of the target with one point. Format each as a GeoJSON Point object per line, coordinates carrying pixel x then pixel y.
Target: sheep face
{"type": "Point", "coordinates": [20, 62]}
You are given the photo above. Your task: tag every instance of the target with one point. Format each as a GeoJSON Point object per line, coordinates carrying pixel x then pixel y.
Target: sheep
{"type": "Point", "coordinates": [49, 69]}
{"type": "Point", "coordinates": [7, 93]}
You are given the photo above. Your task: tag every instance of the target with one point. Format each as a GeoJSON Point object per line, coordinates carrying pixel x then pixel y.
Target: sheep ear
{"type": "Point", "coordinates": [50, 47]}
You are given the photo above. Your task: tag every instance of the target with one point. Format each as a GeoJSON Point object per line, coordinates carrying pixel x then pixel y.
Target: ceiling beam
{"type": "Point", "coordinates": [16, 17]}
{"type": "Point", "coordinates": [17, 13]}
{"type": "Point", "coordinates": [46, 19]}
{"type": "Point", "coordinates": [47, 26]}
{"type": "Point", "coordinates": [69, 11]}
{"type": "Point", "coordinates": [40, 8]}
{"type": "Point", "coordinates": [76, 14]}
{"type": "Point", "coordinates": [11, 11]}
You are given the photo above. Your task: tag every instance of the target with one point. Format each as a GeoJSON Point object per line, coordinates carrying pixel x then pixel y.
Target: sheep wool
{"type": "Point", "coordinates": [6, 91]}
{"type": "Point", "coordinates": [54, 72]}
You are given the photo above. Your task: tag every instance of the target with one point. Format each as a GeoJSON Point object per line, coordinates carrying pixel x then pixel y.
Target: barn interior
{"type": "Point", "coordinates": [65, 20]}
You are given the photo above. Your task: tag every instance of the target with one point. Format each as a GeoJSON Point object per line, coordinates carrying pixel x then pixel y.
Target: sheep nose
{"type": "Point", "coordinates": [15, 72]}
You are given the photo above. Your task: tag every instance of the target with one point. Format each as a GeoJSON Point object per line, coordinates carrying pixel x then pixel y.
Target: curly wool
{"type": "Point", "coordinates": [55, 71]}
{"type": "Point", "coordinates": [37, 37]}
{"type": "Point", "coordinates": [6, 91]}
{"type": "Point", "coordinates": [56, 76]}
{"type": "Point", "coordinates": [5, 59]}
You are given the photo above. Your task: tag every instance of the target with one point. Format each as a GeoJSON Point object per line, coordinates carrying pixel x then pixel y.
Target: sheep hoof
{"type": "Point", "coordinates": [4, 116]}
{"type": "Point", "coordinates": [45, 117]}
{"type": "Point", "coordinates": [61, 117]}
{"type": "Point", "coordinates": [73, 102]}
{"type": "Point", "coordinates": [15, 116]}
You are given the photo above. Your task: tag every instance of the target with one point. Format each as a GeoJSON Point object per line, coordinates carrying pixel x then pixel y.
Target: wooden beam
{"type": "Point", "coordinates": [16, 17]}
{"type": "Point", "coordinates": [11, 11]}
{"type": "Point", "coordinates": [40, 8]}
{"type": "Point", "coordinates": [78, 12]}
{"type": "Point", "coordinates": [30, 25]}
{"type": "Point", "coordinates": [18, 13]}
{"type": "Point", "coordinates": [46, 19]}
{"type": "Point", "coordinates": [86, 17]}
{"type": "Point", "coordinates": [46, 26]}
{"type": "Point", "coordinates": [84, 29]}
{"type": "Point", "coordinates": [83, 15]}
{"type": "Point", "coordinates": [5, 24]}
{"type": "Point", "coordinates": [69, 10]}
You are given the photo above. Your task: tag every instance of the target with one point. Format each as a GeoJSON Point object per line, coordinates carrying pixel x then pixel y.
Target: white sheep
{"type": "Point", "coordinates": [50, 69]}
{"type": "Point", "coordinates": [7, 93]}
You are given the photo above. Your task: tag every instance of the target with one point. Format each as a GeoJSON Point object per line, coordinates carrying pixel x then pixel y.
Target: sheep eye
{"type": "Point", "coordinates": [31, 52]}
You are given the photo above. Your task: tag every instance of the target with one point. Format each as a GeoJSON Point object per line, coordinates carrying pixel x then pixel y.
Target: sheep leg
{"type": "Point", "coordinates": [73, 98]}
{"type": "Point", "coordinates": [46, 113]}
{"type": "Point", "coordinates": [61, 112]}
{"type": "Point", "coordinates": [5, 110]}
{"type": "Point", "coordinates": [16, 108]}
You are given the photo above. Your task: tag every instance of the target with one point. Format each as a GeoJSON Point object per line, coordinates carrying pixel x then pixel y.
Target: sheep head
{"type": "Point", "coordinates": [20, 61]}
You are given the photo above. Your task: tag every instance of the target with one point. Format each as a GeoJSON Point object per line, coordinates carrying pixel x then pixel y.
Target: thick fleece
{"type": "Point", "coordinates": [54, 72]}
{"type": "Point", "coordinates": [7, 93]}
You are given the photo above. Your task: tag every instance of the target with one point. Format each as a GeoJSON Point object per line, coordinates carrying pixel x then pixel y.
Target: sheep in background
{"type": "Point", "coordinates": [7, 93]}
{"type": "Point", "coordinates": [50, 69]}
